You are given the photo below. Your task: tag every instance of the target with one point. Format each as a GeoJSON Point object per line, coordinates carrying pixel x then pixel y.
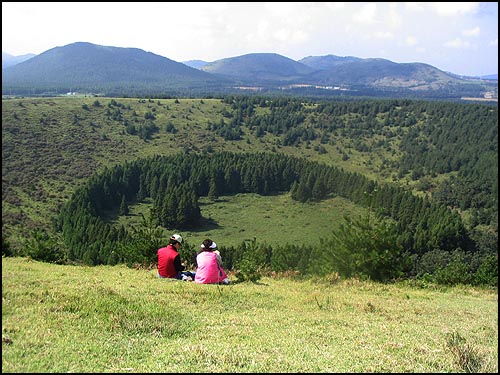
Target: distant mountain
{"type": "Point", "coordinates": [197, 64]}
{"type": "Point", "coordinates": [259, 68]}
{"type": "Point", "coordinates": [372, 76]}
{"type": "Point", "coordinates": [490, 76]}
{"type": "Point", "coordinates": [10, 60]}
{"type": "Point", "coordinates": [87, 67]}
{"type": "Point", "coordinates": [90, 68]}
{"type": "Point", "coordinates": [327, 62]}
{"type": "Point", "coordinates": [385, 73]}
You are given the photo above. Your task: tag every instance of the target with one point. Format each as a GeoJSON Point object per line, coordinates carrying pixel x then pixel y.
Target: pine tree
{"type": "Point", "coordinates": [124, 210]}
{"type": "Point", "coordinates": [212, 191]}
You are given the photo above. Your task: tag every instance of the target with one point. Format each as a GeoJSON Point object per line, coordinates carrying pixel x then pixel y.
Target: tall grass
{"type": "Point", "coordinates": [60, 318]}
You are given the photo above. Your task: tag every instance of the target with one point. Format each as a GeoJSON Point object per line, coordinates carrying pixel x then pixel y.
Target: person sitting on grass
{"type": "Point", "coordinates": [169, 261]}
{"type": "Point", "coordinates": [209, 265]}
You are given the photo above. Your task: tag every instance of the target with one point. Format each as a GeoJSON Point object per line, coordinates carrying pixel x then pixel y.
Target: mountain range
{"type": "Point", "coordinates": [90, 68]}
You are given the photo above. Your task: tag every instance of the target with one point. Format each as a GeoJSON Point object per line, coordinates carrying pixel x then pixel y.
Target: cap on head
{"type": "Point", "coordinates": [176, 237]}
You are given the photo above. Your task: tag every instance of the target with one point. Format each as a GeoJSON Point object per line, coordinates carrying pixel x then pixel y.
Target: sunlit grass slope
{"type": "Point", "coordinates": [59, 318]}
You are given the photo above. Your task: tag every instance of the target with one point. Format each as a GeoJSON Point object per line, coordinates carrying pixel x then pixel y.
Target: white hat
{"type": "Point", "coordinates": [212, 246]}
{"type": "Point", "coordinates": [176, 237]}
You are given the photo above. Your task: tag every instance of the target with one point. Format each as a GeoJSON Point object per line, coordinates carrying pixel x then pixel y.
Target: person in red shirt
{"type": "Point", "coordinates": [169, 260]}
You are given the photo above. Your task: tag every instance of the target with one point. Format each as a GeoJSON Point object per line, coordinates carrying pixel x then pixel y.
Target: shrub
{"type": "Point", "coordinates": [43, 247]}
{"type": "Point", "coordinates": [431, 261]}
{"type": "Point", "coordinates": [6, 250]}
{"type": "Point", "coordinates": [142, 242]}
{"type": "Point", "coordinates": [251, 266]}
{"type": "Point", "coordinates": [366, 248]}
{"type": "Point", "coordinates": [248, 270]}
{"type": "Point", "coordinates": [487, 273]}
{"type": "Point", "coordinates": [457, 271]}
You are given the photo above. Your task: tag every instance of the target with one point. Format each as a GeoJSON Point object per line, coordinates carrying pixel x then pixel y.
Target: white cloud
{"type": "Point", "coordinates": [452, 9]}
{"type": "Point", "coordinates": [494, 42]}
{"type": "Point", "coordinates": [290, 36]}
{"type": "Point", "coordinates": [411, 41]}
{"type": "Point", "coordinates": [282, 35]}
{"type": "Point", "coordinates": [335, 6]}
{"type": "Point", "coordinates": [444, 9]}
{"type": "Point", "coordinates": [366, 14]}
{"type": "Point", "coordinates": [457, 43]}
{"type": "Point", "coordinates": [283, 9]}
{"type": "Point", "coordinates": [383, 35]}
{"type": "Point", "coordinates": [299, 36]}
{"type": "Point", "coordinates": [394, 18]}
{"type": "Point", "coordinates": [263, 28]}
{"type": "Point", "coordinates": [472, 32]}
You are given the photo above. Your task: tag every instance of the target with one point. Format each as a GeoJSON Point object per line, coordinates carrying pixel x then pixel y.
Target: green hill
{"type": "Point", "coordinates": [51, 145]}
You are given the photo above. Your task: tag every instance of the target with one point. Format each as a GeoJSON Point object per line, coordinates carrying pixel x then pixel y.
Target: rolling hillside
{"type": "Point", "coordinates": [356, 76]}
{"type": "Point", "coordinates": [385, 73]}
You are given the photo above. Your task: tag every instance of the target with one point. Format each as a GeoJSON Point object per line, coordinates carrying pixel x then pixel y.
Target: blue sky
{"type": "Point", "coordinates": [461, 38]}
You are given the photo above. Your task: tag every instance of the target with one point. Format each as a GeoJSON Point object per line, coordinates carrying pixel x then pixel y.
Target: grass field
{"type": "Point", "coordinates": [60, 318]}
{"type": "Point", "coordinates": [275, 220]}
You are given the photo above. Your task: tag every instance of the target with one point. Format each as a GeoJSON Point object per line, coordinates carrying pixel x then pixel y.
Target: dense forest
{"type": "Point", "coordinates": [432, 199]}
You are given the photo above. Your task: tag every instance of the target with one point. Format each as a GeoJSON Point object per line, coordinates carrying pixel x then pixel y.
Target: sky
{"type": "Point", "coordinates": [460, 38]}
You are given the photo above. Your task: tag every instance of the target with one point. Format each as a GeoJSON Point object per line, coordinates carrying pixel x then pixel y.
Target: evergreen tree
{"type": "Point", "coordinates": [212, 191]}
{"type": "Point", "coordinates": [365, 248]}
{"type": "Point", "coordinates": [124, 210]}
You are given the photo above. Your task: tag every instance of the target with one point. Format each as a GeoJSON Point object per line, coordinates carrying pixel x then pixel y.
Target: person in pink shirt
{"type": "Point", "coordinates": [209, 265]}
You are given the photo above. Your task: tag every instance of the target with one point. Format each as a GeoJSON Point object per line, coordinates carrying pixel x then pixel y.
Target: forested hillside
{"type": "Point", "coordinates": [426, 170]}
{"type": "Point", "coordinates": [87, 67]}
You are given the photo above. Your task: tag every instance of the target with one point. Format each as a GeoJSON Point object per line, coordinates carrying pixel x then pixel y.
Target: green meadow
{"type": "Point", "coordinates": [62, 318]}
{"type": "Point", "coordinates": [275, 220]}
